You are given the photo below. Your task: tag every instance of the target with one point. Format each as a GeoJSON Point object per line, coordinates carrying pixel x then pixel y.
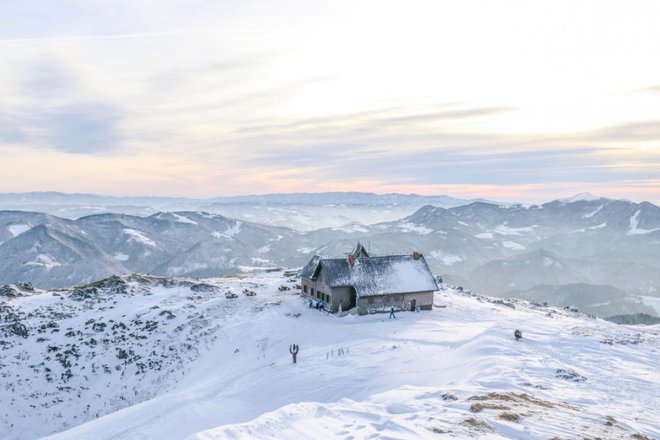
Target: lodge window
{"type": "Point", "coordinates": [312, 291]}
{"type": "Point", "coordinates": [305, 289]}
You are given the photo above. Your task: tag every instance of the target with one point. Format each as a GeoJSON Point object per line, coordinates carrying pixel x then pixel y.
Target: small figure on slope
{"type": "Point", "coordinates": [392, 313]}
{"type": "Point", "coordinates": [518, 334]}
{"type": "Point", "coordinates": [293, 349]}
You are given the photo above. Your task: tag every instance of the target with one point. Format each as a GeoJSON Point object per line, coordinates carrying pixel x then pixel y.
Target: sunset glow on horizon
{"type": "Point", "coordinates": [506, 100]}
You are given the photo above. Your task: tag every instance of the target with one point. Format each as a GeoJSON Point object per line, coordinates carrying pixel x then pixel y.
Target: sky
{"type": "Point", "coordinates": [509, 100]}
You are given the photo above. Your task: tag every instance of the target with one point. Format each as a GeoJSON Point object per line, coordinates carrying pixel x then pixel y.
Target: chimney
{"type": "Point", "coordinates": [351, 260]}
{"type": "Point", "coordinates": [416, 255]}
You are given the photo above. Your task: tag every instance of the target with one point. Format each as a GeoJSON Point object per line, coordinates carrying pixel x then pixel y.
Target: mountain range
{"type": "Point", "coordinates": [301, 211]}
{"type": "Point", "coordinates": [608, 249]}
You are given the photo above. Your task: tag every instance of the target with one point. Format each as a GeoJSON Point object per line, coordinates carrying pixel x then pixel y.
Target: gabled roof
{"type": "Point", "coordinates": [308, 270]}
{"type": "Point", "coordinates": [377, 275]}
{"type": "Point", "coordinates": [360, 251]}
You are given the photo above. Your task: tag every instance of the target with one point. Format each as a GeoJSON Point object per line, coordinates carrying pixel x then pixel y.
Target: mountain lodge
{"type": "Point", "coordinates": [369, 283]}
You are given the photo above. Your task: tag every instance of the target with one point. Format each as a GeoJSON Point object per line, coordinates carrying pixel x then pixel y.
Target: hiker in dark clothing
{"type": "Point", "coordinates": [518, 335]}
{"type": "Point", "coordinates": [310, 302]}
{"type": "Point", "coordinates": [392, 313]}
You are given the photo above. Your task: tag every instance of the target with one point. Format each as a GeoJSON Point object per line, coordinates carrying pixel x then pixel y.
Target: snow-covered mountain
{"type": "Point", "coordinates": [302, 211]}
{"type": "Point", "coordinates": [507, 249]}
{"type": "Point", "coordinates": [611, 246]}
{"type": "Point", "coordinates": [143, 357]}
{"type": "Point", "coordinates": [53, 252]}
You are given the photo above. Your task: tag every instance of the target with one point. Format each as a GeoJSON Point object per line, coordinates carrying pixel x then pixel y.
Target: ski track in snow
{"type": "Point", "coordinates": [395, 375]}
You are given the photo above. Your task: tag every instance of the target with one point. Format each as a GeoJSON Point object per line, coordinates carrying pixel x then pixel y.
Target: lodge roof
{"type": "Point", "coordinates": [374, 275]}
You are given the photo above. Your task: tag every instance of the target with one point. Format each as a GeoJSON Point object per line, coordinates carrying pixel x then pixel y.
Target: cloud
{"type": "Point", "coordinates": [83, 128]}
{"type": "Point", "coordinates": [629, 131]}
{"type": "Point", "coordinates": [54, 112]}
{"type": "Point", "coordinates": [245, 92]}
{"type": "Point", "coordinates": [79, 128]}
{"type": "Point", "coordinates": [652, 89]}
{"type": "Point", "coordinates": [364, 147]}
{"type": "Point", "coordinates": [449, 115]}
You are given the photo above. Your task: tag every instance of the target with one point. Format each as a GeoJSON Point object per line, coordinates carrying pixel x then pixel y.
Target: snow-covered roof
{"type": "Point", "coordinates": [360, 251]}
{"type": "Point", "coordinates": [377, 275]}
{"type": "Point", "coordinates": [308, 270]}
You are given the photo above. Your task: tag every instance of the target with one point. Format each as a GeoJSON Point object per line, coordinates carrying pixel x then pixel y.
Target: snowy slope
{"type": "Point", "coordinates": [417, 376]}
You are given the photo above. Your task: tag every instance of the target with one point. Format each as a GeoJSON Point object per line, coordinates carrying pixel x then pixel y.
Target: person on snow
{"type": "Point", "coordinates": [392, 313]}
{"type": "Point", "coordinates": [309, 302]}
{"type": "Point", "coordinates": [518, 334]}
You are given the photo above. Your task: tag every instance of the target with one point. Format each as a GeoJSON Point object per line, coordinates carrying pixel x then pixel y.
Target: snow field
{"type": "Point", "coordinates": [390, 381]}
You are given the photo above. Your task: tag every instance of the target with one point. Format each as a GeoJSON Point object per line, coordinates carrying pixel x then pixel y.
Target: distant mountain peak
{"type": "Point", "coordinates": [582, 197]}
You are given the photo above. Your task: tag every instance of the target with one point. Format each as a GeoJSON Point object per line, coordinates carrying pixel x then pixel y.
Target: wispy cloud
{"type": "Point", "coordinates": [236, 97]}
{"type": "Point", "coordinates": [54, 113]}
{"type": "Point", "coordinates": [630, 131]}
{"type": "Point", "coordinates": [653, 89]}
{"type": "Point", "coordinates": [240, 33]}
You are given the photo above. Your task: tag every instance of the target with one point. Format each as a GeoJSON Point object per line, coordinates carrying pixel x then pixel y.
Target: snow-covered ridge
{"type": "Point", "coordinates": [139, 237]}
{"type": "Point", "coordinates": [196, 359]}
{"type": "Point", "coordinates": [582, 197]}
{"type": "Point", "coordinates": [193, 243]}
{"type": "Point", "coordinates": [18, 229]}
